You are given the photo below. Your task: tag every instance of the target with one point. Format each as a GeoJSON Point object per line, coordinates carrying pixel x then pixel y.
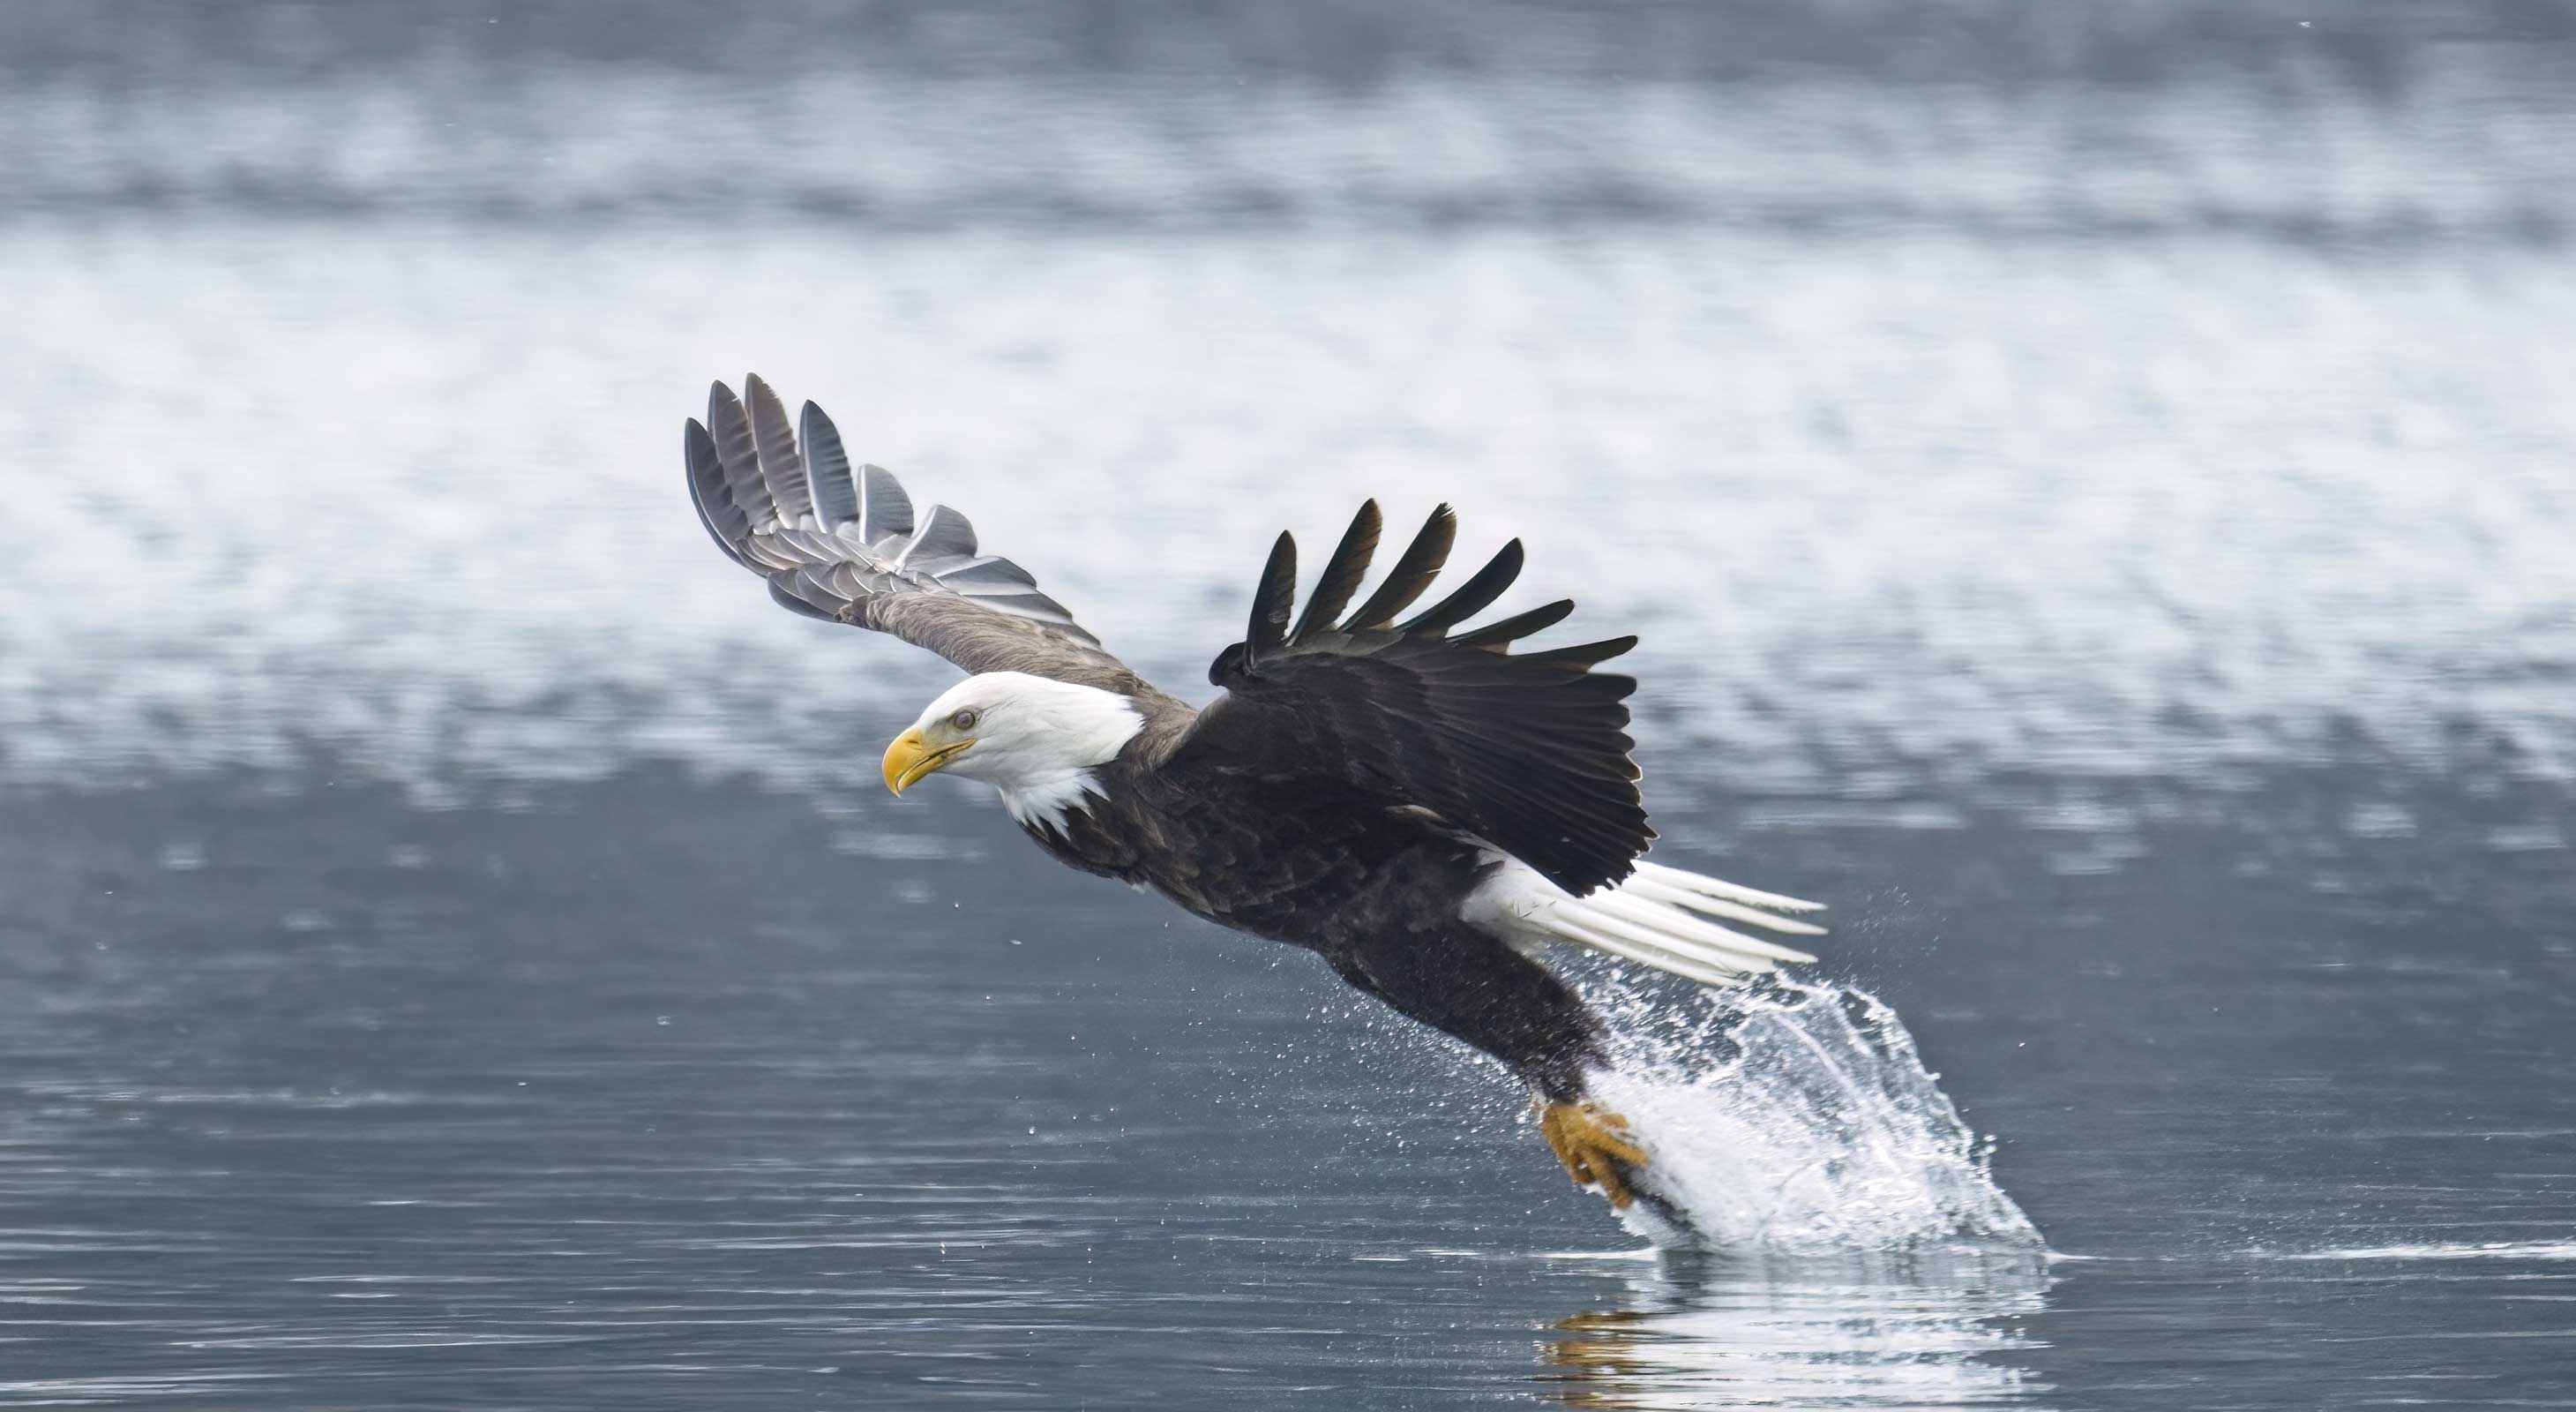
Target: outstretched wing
{"type": "Point", "coordinates": [845, 546]}
{"type": "Point", "coordinates": [1529, 752]}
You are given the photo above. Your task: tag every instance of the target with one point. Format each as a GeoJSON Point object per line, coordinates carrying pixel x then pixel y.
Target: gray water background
{"type": "Point", "coordinates": [2097, 486]}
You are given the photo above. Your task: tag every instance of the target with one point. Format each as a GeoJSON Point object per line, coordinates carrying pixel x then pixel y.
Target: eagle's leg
{"type": "Point", "coordinates": [1473, 987]}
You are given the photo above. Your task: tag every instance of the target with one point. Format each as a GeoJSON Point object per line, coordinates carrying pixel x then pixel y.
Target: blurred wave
{"type": "Point", "coordinates": [2455, 159]}
{"type": "Point", "coordinates": [414, 496]}
{"type": "Point", "coordinates": [2373, 125]}
{"type": "Point", "coordinates": [2375, 45]}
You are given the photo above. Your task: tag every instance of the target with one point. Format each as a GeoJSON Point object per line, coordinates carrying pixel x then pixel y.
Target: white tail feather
{"type": "Point", "coordinates": [1672, 922]}
{"type": "Point", "coordinates": [1735, 892]}
{"type": "Point", "coordinates": [1587, 923]}
{"type": "Point", "coordinates": [1569, 929]}
{"type": "Point", "coordinates": [1648, 918]}
{"type": "Point", "coordinates": [1654, 891]}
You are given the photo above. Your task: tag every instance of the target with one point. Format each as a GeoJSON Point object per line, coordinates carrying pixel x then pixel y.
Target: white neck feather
{"type": "Point", "coordinates": [1049, 802]}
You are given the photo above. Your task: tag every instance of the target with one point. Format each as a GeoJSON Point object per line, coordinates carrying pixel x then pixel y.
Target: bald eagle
{"type": "Point", "coordinates": [1413, 801]}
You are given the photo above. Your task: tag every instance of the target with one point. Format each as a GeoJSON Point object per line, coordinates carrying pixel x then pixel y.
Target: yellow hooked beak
{"type": "Point", "coordinates": [911, 757]}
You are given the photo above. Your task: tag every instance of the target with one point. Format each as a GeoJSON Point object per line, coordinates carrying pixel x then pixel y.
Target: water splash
{"type": "Point", "coordinates": [1798, 1118]}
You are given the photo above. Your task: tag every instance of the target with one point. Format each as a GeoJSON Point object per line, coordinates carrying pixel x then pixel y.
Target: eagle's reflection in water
{"type": "Point", "coordinates": [1924, 1332]}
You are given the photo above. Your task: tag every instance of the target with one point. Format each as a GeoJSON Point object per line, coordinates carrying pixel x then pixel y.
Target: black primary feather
{"type": "Point", "coordinates": [1473, 597]}
{"type": "Point", "coordinates": [1499, 635]}
{"type": "Point", "coordinates": [1414, 570]}
{"type": "Point", "coordinates": [1589, 654]}
{"type": "Point", "coordinates": [1272, 599]}
{"type": "Point", "coordinates": [1529, 753]}
{"type": "Point", "coordinates": [1342, 573]}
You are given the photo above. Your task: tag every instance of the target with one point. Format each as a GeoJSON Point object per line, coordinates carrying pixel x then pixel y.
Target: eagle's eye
{"type": "Point", "coordinates": [964, 720]}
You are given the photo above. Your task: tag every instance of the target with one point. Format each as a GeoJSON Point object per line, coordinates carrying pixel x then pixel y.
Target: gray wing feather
{"type": "Point", "coordinates": [740, 460]}
{"type": "Point", "coordinates": [798, 606]}
{"type": "Point", "coordinates": [827, 470]}
{"type": "Point", "coordinates": [807, 546]}
{"type": "Point", "coordinates": [944, 534]}
{"type": "Point", "coordinates": [780, 467]}
{"type": "Point", "coordinates": [858, 557]}
{"type": "Point", "coordinates": [887, 510]}
{"type": "Point", "coordinates": [714, 499]}
{"type": "Point", "coordinates": [987, 574]}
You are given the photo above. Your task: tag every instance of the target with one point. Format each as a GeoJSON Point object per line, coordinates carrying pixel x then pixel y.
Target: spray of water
{"type": "Point", "coordinates": [1796, 1118]}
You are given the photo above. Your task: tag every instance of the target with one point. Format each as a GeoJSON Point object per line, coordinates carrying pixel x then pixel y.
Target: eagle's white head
{"type": "Point", "coordinates": [1034, 739]}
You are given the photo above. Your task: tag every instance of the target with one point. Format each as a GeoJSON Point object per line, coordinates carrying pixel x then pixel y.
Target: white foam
{"type": "Point", "coordinates": [2479, 1250]}
{"type": "Point", "coordinates": [1799, 1119]}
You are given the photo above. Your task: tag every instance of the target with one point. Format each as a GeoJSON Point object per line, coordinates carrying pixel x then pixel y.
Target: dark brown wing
{"type": "Point", "coordinates": [1530, 753]}
{"type": "Point", "coordinates": [846, 547]}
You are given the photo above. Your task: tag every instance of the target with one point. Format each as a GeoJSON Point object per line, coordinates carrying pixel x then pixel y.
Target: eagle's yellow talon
{"type": "Point", "coordinates": [1593, 1146]}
